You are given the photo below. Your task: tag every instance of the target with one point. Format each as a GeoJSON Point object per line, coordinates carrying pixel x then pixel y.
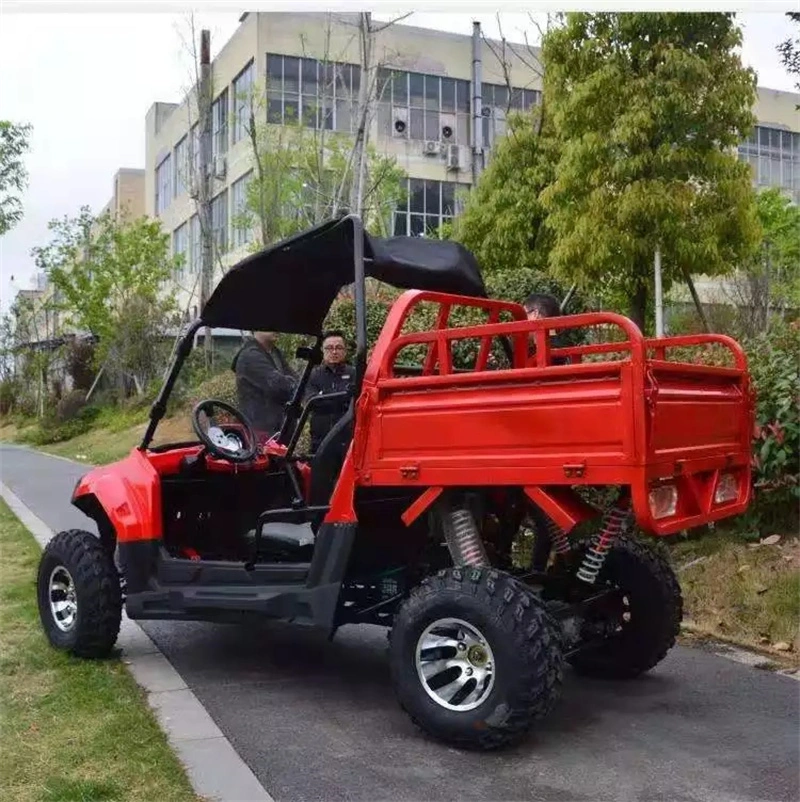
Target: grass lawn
{"type": "Point", "coordinates": [71, 730]}
{"type": "Point", "coordinates": [106, 444]}
{"type": "Point", "coordinates": [748, 593]}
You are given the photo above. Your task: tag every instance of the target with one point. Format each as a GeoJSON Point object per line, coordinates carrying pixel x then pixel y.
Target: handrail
{"type": "Point", "coordinates": [539, 328]}
{"type": "Point", "coordinates": [402, 308]}
{"type": "Point", "coordinates": [689, 340]}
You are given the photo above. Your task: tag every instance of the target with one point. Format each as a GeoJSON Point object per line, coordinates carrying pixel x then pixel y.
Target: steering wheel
{"type": "Point", "coordinates": [233, 446]}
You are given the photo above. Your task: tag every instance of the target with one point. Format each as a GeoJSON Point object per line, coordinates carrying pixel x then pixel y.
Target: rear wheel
{"type": "Point", "coordinates": [642, 627]}
{"type": "Point", "coordinates": [475, 658]}
{"type": "Point", "coordinates": [78, 590]}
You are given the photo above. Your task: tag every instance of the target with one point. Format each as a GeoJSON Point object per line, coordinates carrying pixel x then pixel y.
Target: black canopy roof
{"type": "Point", "coordinates": [289, 287]}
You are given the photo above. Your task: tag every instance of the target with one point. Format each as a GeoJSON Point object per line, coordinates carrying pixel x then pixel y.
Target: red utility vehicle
{"type": "Point", "coordinates": [408, 512]}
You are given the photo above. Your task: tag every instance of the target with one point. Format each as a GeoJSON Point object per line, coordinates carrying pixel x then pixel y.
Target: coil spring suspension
{"type": "Point", "coordinates": [558, 537]}
{"type": "Point", "coordinates": [613, 522]}
{"type": "Point", "coordinates": [463, 538]}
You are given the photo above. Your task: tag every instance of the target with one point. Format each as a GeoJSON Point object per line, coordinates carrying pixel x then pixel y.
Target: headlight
{"type": "Point", "coordinates": [727, 489]}
{"type": "Point", "coordinates": [663, 501]}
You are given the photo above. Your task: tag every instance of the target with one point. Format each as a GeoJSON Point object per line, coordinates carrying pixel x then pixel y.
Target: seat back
{"type": "Point", "coordinates": [326, 463]}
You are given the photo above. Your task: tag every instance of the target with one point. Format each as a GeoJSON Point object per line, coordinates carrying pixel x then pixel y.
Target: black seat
{"type": "Point", "coordinates": [326, 464]}
{"type": "Point", "coordinates": [287, 535]}
{"type": "Point", "coordinates": [297, 539]}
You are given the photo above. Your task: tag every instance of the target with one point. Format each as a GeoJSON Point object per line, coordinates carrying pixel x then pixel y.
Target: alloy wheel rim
{"type": "Point", "coordinates": [455, 664]}
{"type": "Point", "coordinates": [63, 598]}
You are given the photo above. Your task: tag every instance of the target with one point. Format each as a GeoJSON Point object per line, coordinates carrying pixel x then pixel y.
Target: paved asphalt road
{"type": "Point", "coordinates": [318, 721]}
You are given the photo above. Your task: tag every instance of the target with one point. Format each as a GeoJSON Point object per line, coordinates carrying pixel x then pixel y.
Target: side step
{"type": "Point", "coordinates": [310, 606]}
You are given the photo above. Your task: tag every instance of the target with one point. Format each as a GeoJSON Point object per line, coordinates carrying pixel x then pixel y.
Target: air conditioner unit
{"type": "Point", "coordinates": [447, 127]}
{"type": "Point", "coordinates": [400, 122]}
{"type": "Point", "coordinates": [453, 158]}
{"type": "Point", "coordinates": [220, 167]}
{"type": "Point", "coordinates": [431, 147]}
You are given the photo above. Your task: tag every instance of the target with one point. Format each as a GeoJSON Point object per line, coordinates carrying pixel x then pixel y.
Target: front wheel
{"type": "Point", "coordinates": [78, 589]}
{"type": "Point", "coordinates": [475, 658]}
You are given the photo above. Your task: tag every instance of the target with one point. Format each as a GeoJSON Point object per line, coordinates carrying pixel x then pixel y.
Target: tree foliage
{"type": "Point", "coordinates": [300, 180]}
{"type": "Point", "coordinates": [789, 50]}
{"type": "Point", "coordinates": [14, 143]}
{"type": "Point", "coordinates": [304, 173]}
{"type": "Point", "coordinates": [503, 221]}
{"type": "Point", "coordinates": [648, 108]}
{"type": "Point", "coordinates": [776, 449]}
{"type": "Point", "coordinates": [108, 275]}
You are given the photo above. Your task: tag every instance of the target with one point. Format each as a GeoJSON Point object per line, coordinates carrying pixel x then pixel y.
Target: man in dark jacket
{"type": "Point", "coordinates": [540, 305]}
{"type": "Point", "coordinates": [264, 382]}
{"type": "Point", "coordinates": [332, 376]}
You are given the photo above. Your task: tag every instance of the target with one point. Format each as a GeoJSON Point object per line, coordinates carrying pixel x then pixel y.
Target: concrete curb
{"type": "Point", "coordinates": [213, 766]}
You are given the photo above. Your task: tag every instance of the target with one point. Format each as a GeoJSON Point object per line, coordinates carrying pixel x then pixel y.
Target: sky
{"type": "Point", "coordinates": [85, 81]}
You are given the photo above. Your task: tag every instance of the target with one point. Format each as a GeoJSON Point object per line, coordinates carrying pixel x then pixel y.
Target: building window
{"type": "Point", "coordinates": [219, 125]}
{"type": "Point", "coordinates": [428, 205]}
{"type": "Point", "coordinates": [412, 105]}
{"type": "Point", "coordinates": [497, 102]}
{"type": "Point", "coordinates": [219, 221]}
{"type": "Point", "coordinates": [242, 102]}
{"type": "Point", "coordinates": [318, 94]}
{"type": "Point", "coordinates": [242, 227]}
{"type": "Point", "coordinates": [195, 245]}
{"type": "Point", "coordinates": [180, 248]}
{"type": "Point", "coordinates": [163, 184]}
{"type": "Point", "coordinates": [182, 167]}
{"type": "Point", "coordinates": [774, 155]}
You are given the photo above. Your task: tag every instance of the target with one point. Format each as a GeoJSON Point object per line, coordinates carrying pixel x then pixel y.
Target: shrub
{"type": "Point", "coordinates": [69, 407]}
{"type": "Point", "coordinates": [10, 395]}
{"type": "Point", "coordinates": [80, 363]}
{"type": "Point", "coordinates": [221, 387]}
{"type": "Point", "coordinates": [776, 448]}
{"type": "Point", "coordinates": [51, 430]}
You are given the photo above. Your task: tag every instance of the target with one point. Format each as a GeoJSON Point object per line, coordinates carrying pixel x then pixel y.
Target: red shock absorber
{"type": "Point", "coordinates": [614, 521]}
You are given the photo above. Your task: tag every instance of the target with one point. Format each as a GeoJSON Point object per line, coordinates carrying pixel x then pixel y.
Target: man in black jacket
{"type": "Point", "coordinates": [332, 376]}
{"type": "Point", "coordinates": [264, 382]}
{"type": "Point", "coordinates": [539, 305]}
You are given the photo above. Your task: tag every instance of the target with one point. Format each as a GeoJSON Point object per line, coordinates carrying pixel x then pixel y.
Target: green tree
{"type": "Point", "coordinates": [649, 109]}
{"type": "Point", "coordinates": [109, 276]}
{"type": "Point", "coordinates": [28, 350]}
{"type": "Point", "coordinates": [789, 51]}
{"type": "Point", "coordinates": [299, 181]}
{"type": "Point", "coordinates": [14, 143]}
{"type": "Point", "coordinates": [769, 283]}
{"type": "Point", "coordinates": [304, 173]}
{"type": "Point", "coordinates": [503, 220]}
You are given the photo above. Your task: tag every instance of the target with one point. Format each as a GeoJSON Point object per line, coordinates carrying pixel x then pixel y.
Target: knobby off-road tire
{"type": "Point", "coordinates": [655, 607]}
{"type": "Point", "coordinates": [523, 641]}
{"type": "Point", "coordinates": [78, 589]}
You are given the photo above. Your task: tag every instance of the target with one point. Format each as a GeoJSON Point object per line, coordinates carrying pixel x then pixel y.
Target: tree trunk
{"type": "Point", "coordinates": [696, 298]}
{"type": "Point", "coordinates": [638, 313]}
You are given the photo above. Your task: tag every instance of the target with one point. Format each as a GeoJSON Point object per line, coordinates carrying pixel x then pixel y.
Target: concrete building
{"type": "Point", "coordinates": [128, 197]}
{"type": "Point", "coordinates": [424, 118]}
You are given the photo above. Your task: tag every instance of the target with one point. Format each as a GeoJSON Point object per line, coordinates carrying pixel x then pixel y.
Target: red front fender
{"type": "Point", "coordinates": [129, 493]}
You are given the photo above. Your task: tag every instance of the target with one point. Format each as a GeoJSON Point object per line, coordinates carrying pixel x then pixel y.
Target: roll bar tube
{"type": "Point", "coordinates": [159, 408]}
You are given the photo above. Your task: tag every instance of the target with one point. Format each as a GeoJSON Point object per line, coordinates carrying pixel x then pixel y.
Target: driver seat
{"type": "Point", "coordinates": [326, 465]}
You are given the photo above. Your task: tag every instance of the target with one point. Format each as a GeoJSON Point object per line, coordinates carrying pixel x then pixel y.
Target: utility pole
{"type": "Point", "coordinates": [204, 98]}
{"type": "Point", "coordinates": [477, 105]}
{"type": "Point", "coordinates": [659, 296]}
{"type": "Point", "coordinates": [365, 94]}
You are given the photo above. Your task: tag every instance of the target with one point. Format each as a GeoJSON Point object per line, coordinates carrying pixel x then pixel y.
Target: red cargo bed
{"type": "Point", "coordinates": [676, 433]}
